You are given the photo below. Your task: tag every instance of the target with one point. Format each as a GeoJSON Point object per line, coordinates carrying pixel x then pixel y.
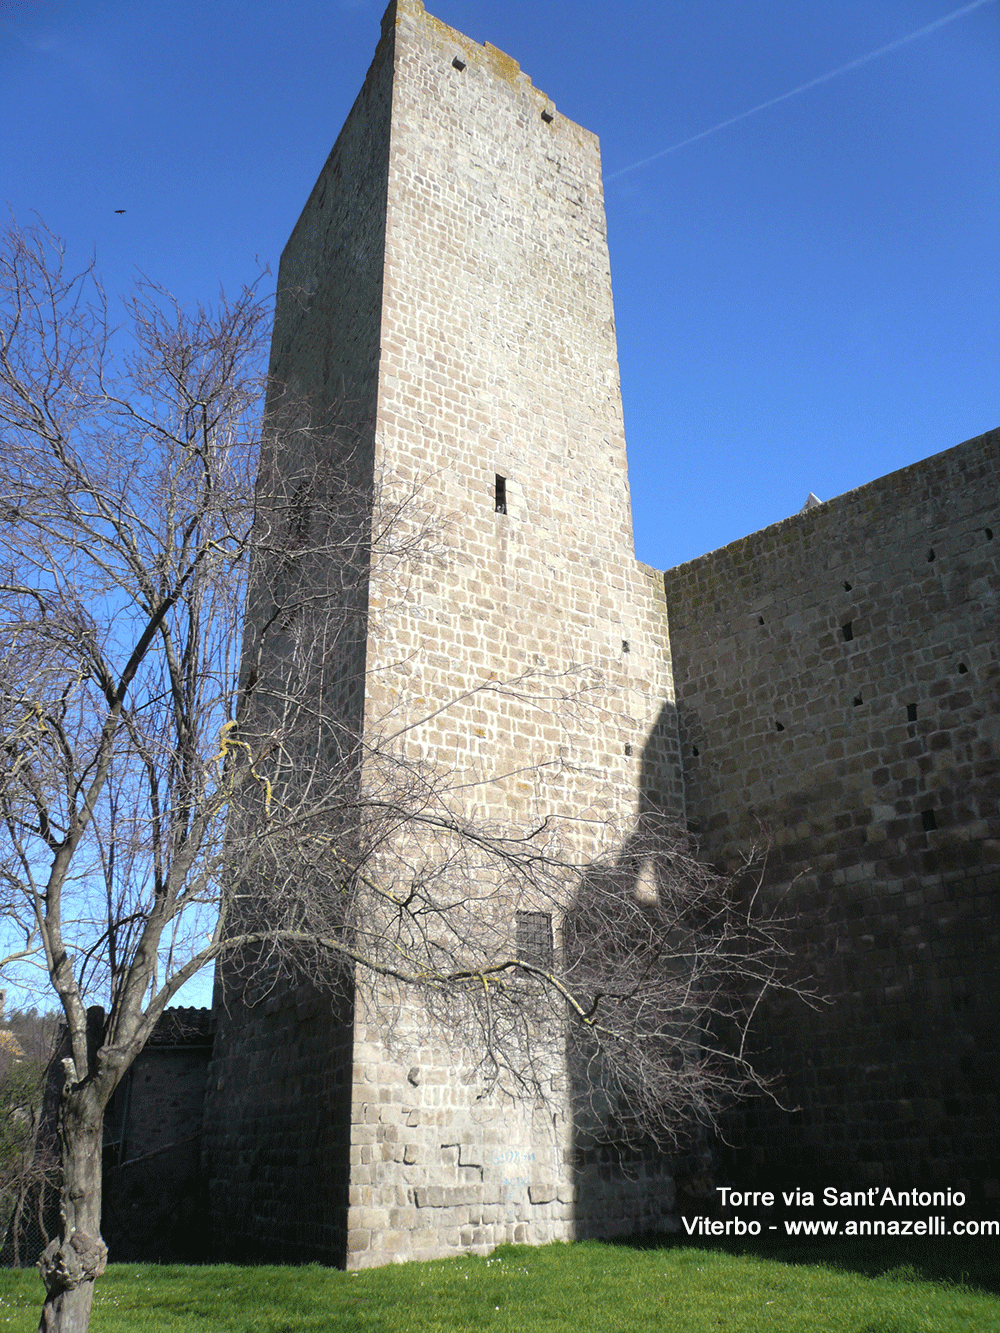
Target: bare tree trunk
{"type": "Point", "coordinates": [73, 1262]}
{"type": "Point", "coordinates": [23, 1188]}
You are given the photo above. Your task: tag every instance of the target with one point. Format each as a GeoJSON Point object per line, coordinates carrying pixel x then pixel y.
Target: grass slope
{"type": "Point", "coordinates": [584, 1288]}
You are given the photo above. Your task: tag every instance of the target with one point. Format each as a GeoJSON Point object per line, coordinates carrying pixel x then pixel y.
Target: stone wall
{"type": "Point", "coordinates": [277, 1130]}
{"type": "Point", "coordinates": [153, 1206]}
{"type": "Point", "coordinates": [839, 685]}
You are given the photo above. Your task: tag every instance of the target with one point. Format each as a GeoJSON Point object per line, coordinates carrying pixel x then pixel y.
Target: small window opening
{"type": "Point", "coordinates": [778, 726]}
{"type": "Point", "coordinates": [989, 534]}
{"type": "Point", "coordinates": [628, 748]}
{"type": "Point", "coordinates": [761, 619]}
{"type": "Point", "coordinates": [930, 555]}
{"type": "Point", "coordinates": [501, 494]}
{"type": "Point", "coordinates": [626, 646]}
{"type": "Point", "coordinates": [458, 63]}
{"type": "Point", "coordinates": [695, 751]}
{"type": "Point", "coordinates": [547, 117]}
{"type": "Point", "coordinates": [533, 938]}
{"type": "Point", "coordinates": [911, 712]}
{"type": "Point", "coordinates": [928, 820]}
{"type": "Point", "coordinates": [847, 586]}
{"type": "Point", "coordinates": [858, 701]}
{"type": "Point", "coordinates": [848, 631]}
{"type": "Point", "coordinates": [962, 668]}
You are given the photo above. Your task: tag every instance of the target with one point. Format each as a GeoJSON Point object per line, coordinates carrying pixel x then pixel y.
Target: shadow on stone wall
{"type": "Point", "coordinates": [277, 1136]}
{"type": "Point", "coordinates": [896, 1081]}
{"type": "Point", "coordinates": [154, 1209]}
{"type": "Point", "coordinates": [839, 680]}
{"type": "Point", "coordinates": [625, 1182]}
{"type": "Point", "coordinates": [154, 1193]}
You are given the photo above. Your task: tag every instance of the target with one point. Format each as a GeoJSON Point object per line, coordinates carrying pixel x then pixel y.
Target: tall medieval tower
{"type": "Point", "coordinates": [446, 296]}
{"type": "Point", "coordinates": [444, 310]}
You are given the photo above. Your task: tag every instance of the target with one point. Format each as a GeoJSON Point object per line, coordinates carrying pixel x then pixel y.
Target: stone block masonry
{"type": "Point", "coordinates": [153, 1201]}
{"type": "Point", "coordinates": [445, 317]}
{"type": "Point", "coordinates": [499, 390]}
{"type": "Point", "coordinates": [444, 303]}
{"type": "Point", "coordinates": [839, 685]}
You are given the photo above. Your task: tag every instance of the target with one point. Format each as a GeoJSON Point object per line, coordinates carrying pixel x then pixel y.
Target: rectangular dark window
{"type": "Point", "coordinates": [534, 938]}
{"type": "Point", "coordinates": [501, 494]}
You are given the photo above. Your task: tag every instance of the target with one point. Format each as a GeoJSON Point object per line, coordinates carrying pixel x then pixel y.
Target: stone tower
{"type": "Point", "coordinates": [446, 296]}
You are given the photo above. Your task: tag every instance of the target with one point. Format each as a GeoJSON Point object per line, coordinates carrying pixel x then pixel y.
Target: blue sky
{"type": "Point", "coordinates": [805, 300]}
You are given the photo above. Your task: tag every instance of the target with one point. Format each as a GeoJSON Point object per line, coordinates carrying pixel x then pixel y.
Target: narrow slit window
{"type": "Point", "coordinates": [928, 820]}
{"type": "Point", "coordinates": [626, 646]}
{"type": "Point", "coordinates": [911, 712]}
{"type": "Point", "coordinates": [533, 938]}
{"type": "Point", "coordinates": [848, 631]}
{"type": "Point", "coordinates": [500, 497]}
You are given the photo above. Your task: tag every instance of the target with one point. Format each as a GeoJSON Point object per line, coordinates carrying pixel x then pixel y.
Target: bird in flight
{"type": "Point", "coordinates": [119, 210]}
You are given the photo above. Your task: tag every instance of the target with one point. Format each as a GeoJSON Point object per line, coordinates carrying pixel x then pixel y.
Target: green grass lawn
{"type": "Point", "coordinates": [555, 1289]}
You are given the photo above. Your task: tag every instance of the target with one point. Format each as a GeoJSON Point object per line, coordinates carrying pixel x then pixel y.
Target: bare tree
{"type": "Point", "coordinates": [176, 791]}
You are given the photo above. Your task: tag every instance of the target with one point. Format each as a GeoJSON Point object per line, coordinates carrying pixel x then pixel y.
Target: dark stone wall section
{"type": "Point", "coordinates": [838, 685]}
{"type": "Point", "coordinates": [153, 1207]}
{"type": "Point", "coordinates": [278, 1128]}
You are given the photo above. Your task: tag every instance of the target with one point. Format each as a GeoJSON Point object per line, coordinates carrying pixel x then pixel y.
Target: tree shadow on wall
{"type": "Point", "coordinates": [668, 960]}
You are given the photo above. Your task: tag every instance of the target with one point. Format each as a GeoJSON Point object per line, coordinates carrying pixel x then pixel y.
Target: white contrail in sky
{"type": "Point", "coordinates": [804, 87]}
